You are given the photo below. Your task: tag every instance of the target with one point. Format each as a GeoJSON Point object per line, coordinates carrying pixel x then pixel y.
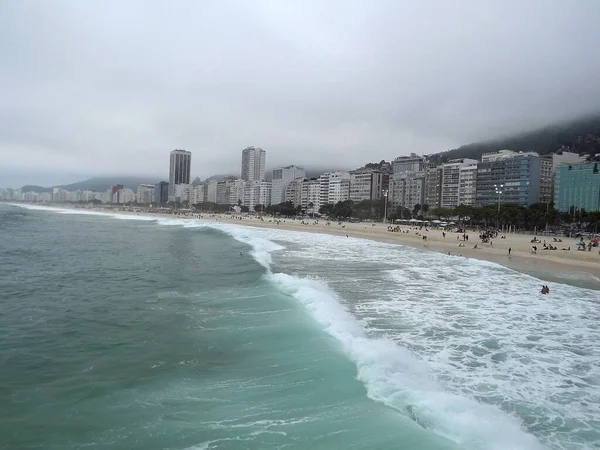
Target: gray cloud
{"type": "Point", "coordinates": [112, 87]}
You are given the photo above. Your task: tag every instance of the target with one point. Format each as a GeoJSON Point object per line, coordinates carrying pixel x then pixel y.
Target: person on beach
{"type": "Point", "coordinates": [509, 250]}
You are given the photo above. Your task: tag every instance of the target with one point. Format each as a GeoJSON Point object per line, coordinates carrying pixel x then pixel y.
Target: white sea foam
{"type": "Point", "coordinates": [396, 378]}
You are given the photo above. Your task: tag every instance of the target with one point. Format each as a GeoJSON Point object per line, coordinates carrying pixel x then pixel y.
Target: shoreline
{"type": "Point", "coordinates": [577, 268]}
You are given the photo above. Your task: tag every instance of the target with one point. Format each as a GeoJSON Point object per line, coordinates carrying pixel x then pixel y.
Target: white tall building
{"type": "Point", "coordinates": [293, 192]}
{"type": "Point", "coordinates": [334, 187]}
{"type": "Point", "coordinates": [311, 196]}
{"type": "Point", "coordinates": [451, 173]}
{"type": "Point", "coordinates": [197, 194]}
{"type": "Point", "coordinates": [253, 164]}
{"type": "Point", "coordinates": [281, 178]}
{"type": "Point", "coordinates": [123, 196]}
{"type": "Point", "coordinates": [179, 170]}
{"type": "Point", "coordinates": [145, 194]}
{"type": "Point", "coordinates": [183, 193]}
{"type": "Point", "coordinates": [211, 191]}
{"type": "Point", "coordinates": [236, 192]}
{"type": "Point", "coordinates": [468, 185]}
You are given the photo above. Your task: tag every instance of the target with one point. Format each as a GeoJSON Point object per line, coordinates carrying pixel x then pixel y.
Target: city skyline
{"type": "Point", "coordinates": [353, 87]}
{"type": "Point", "coordinates": [408, 183]}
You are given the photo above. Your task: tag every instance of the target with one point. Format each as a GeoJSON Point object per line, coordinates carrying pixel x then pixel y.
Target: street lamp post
{"type": "Point", "coordinates": [498, 188]}
{"type": "Point", "coordinates": [385, 195]}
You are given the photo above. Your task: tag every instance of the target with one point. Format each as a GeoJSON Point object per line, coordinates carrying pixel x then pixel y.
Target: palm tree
{"type": "Point", "coordinates": [311, 206]}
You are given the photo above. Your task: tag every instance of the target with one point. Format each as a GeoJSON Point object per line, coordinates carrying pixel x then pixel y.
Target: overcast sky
{"type": "Point", "coordinates": [110, 87]}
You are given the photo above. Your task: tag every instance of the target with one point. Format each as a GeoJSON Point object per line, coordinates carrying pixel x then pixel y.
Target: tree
{"type": "Point", "coordinates": [425, 209]}
{"type": "Point", "coordinates": [416, 210]}
{"type": "Point", "coordinates": [327, 209]}
{"type": "Point", "coordinates": [343, 209]}
{"type": "Point", "coordinates": [244, 209]}
{"type": "Point", "coordinates": [311, 207]}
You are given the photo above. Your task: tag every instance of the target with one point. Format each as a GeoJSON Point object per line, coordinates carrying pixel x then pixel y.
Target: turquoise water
{"type": "Point", "coordinates": [130, 332]}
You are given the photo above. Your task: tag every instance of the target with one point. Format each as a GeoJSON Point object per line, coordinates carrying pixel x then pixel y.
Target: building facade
{"type": "Point", "coordinates": [253, 164]}
{"type": "Point", "coordinates": [577, 187]}
{"type": "Point", "coordinates": [368, 185]}
{"type": "Point", "coordinates": [145, 194]}
{"type": "Point", "coordinates": [334, 187]}
{"type": "Point", "coordinates": [161, 193]}
{"type": "Point", "coordinates": [467, 190]}
{"type": "Point", "coordinates": [451, 173]}
{"type": "Point", "coordinates": [179, 170]}
{"type": "Point", "coordinates": [311, 196]}
{"type": "Point", "coordinates": [281, 178]}
{"type": "Point", "coordinates": [516, 175]}
{"type": "Point", "coordinates": [433, 186]}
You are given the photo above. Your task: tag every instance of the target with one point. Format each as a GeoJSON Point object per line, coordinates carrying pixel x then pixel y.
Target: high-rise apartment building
{"type": "Point", "coordinates": [516, 175]}
{"type": "Point", "coordinates": [433, 186]}
{"type": "Point", "coordinates": [253, 164]}
{"type": "Point", "coordinates": [451, 182]}
{"type": "Point", "coordinates": [179, 170]}
{"type": "Point", "coordinates": [334, 187]}
{"type": "Point", "coordinates": [281, 178]}
{"type": "Point", "coordinates": [368, 185]}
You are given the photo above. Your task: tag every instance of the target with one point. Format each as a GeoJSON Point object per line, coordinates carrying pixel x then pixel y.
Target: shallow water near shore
{"type": "Point", "coordinates": [132, 332]}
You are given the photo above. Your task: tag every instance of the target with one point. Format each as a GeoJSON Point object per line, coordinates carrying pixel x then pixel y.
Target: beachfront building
{"type": "Point", "coordinates": [197, 195]}
{"type": "Point", "coordinates": [256, 193]}
{"type": "Point", "coordinates": [236, 192]}
{"type": "Point", "coordinates": [451, 173]}
{"type": "Point", "coordinates": [281, 178]}
{"type": "Point", "coordinates": [144, 194]}
{"type": "Point", "coordinates": [433, 186]}
{"type": "Point", "coordinates": [183, 193]}
{"type": "Point", "coordinates": [311, 195]}
{"type": "Point", "coordinates": [518, 174]}
{"type": "Point", "coordinates": [253, 164]}
{"type": "Point", "coordinates": [211, 191]}
{"type": "Point", "coordinates": [334, 187]}
{"type": "Point", "coordinates": [161, 193]}
{"type": "Point", "coordinates": [124, 196]}
{"type": "Point", "coordinates": [293, 192]}
{"type": "Point", "coordinates": [407, 190]}
{"type": "Point", "coordinates": [467, 185]}
{"type": "Point", "coordinates": [577, 187]}
{"type": "Point", "coordinates": [368, 185]}
{"type": "Point", "coordinates": [179, 170]}
{"type": "Point", "coordinates": [408, 182]}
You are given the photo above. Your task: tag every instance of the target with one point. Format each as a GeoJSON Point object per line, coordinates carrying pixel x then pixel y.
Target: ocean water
{"type": "Point", "coordinates": [123, 332]}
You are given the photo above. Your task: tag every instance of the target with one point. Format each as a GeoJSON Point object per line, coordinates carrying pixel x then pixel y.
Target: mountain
{"type": "Point", "coordinates": [103, 183]}
{"type": "Point", "coordinates": [579, 136]}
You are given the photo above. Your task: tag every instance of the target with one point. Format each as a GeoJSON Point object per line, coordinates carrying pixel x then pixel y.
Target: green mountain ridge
{"type": "Point", "coordinates": [580, 136]}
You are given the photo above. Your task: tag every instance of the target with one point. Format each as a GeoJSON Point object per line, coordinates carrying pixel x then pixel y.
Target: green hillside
{"type": "Point", "coordinates": [581, 136]}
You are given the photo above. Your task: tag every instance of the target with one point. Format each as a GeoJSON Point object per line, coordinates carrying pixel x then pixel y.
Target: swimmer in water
{"type": "Point", "coordinates": [545, 290]}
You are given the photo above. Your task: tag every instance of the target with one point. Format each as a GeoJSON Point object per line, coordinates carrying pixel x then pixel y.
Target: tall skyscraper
{"type": "Point", "coordinates": [253, 164]}
{"type": "Point", "coordinates": [179, 171]}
